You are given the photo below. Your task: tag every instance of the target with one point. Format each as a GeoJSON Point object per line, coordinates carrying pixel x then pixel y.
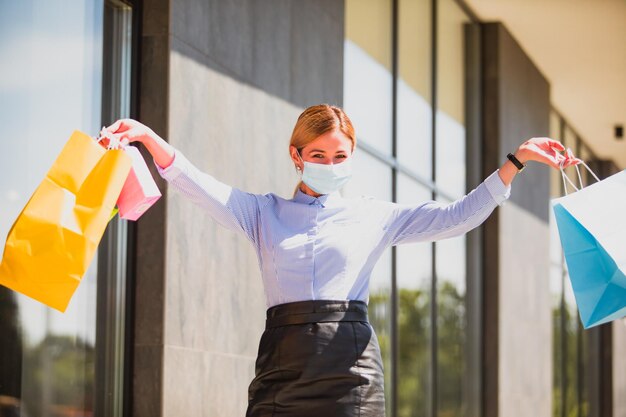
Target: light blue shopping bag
{"type": "Point", "coordinates": [592, 228]}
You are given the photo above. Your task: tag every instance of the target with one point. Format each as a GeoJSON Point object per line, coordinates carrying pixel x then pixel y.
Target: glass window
{"type": "Point", "coordinates": [450, 178]}
{"type": "Point", "coordinates": [373, 178]}
{"type": "Point", "coordinates": [451, 325]}
{"type": "Point", "coordinates": [556, 290]}
{"type": "Point", "coordinates": [570, 353]}
{"type": "Point", "coordinates": [570, 342]}
{"type": "Point", "coordinates": [367, 99]}
{"type": "Point", "coordinates": [50, 87]}
{"type": "Point", "coordinates": [414, 118]}
{"type": "Point", "coordinates": [414, 281]}
{"type": "Point", "coordinates": [113, 301]}
{"type": "Point", "coordinates": [557, 276]}
{"type": "Point", "coordinates": [367, 82]}
{"type": "Point", "coordinates": [450, 123]}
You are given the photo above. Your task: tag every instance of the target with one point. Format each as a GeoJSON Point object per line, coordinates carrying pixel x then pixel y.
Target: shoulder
{"type": "Point", "coordinates": [271, 199]}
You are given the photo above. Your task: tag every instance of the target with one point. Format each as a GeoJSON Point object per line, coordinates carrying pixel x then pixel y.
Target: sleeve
{"type": "Point", "coordinates": [232, 208]}
{"type": "Point", "coordinates": [434, 220]}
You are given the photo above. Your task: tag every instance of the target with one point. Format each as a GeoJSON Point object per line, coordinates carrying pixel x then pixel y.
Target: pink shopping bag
{"type": "Point", "coordinates": [140, 191]}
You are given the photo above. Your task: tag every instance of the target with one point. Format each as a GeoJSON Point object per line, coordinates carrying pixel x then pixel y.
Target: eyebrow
{"type": "Point", "coordinates": [323, 151]}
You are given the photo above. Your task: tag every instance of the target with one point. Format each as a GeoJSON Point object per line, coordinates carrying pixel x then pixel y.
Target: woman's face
{"type": "Point", "coordinates": [332, 147]}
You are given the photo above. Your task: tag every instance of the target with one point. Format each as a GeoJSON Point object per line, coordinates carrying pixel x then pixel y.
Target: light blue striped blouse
{"type": "Point", "coordinates": [325, 248]}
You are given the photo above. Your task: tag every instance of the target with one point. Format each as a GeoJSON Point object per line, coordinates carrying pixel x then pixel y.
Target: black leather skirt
{"type": "Point", "coordinates": [318, 358]}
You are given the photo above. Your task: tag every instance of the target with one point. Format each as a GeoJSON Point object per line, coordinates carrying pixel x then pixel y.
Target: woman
{"type": "Point", "coordinates": [319, 355]}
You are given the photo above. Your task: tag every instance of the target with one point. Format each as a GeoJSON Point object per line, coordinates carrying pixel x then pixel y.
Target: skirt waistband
{"type": "Point", "coordinates": [311, 311]}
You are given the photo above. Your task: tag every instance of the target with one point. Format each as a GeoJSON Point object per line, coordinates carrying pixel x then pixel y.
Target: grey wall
{"type": "Point", "coordinates": [517, 315]}
{"type": "Point", "coordinates": [291, 49]}
{"type": "Point", "coordinates": [223, 82]}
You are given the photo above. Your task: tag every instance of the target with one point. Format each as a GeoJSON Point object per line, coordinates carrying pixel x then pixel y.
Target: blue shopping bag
{"type": "Point", "coordinates": [592, 229]}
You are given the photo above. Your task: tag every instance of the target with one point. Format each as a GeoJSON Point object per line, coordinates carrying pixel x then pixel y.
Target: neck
{"type": "Point", "coordinates": [306, 190]}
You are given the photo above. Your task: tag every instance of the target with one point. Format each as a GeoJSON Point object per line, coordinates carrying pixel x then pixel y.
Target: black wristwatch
{"type": "Point", "coordinates": [516, 162]}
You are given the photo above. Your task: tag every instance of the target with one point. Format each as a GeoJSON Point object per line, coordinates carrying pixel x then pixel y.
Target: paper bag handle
{"type": "Point", "coordinates": [580, 180]}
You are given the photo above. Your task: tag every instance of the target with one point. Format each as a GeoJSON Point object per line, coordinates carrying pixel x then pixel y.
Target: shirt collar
{"type": "Point", "coordinates": [324, 200]}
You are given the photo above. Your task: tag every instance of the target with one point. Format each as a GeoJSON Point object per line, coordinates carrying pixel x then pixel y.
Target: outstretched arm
{"type": "Point", "coordinates": [433, 220]}
{"type": "Point", "coordinates": [232, 208]}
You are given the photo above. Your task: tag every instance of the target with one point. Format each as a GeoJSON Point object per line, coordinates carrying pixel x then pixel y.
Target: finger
{"type": "Point", "coordinates": [552, 160]}
{"type": "Point", "coordinates": [129, 135]}
{"type": "Point", "coordinates": [555, 144]}
{"type": "Point", "coordinates": [119, 126]}
{"type": "Point", "coordinates": [114, 127]}
{"type": "Point", "coordinates": [104, 142]}
{"type": "Point", "coordinates": [572, 161]}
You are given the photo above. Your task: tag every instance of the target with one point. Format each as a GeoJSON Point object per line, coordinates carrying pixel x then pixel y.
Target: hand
{"type": "Point", "coordinates": [129, 130]}
{"type": "Point", "coordinates": [546, 151]}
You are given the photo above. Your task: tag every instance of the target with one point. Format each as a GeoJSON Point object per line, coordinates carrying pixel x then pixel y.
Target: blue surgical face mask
{"type": "Point", "coordinates": [325, 179]}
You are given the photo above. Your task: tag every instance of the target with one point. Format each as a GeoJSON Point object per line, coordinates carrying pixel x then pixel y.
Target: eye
{"type": "Point", "coordinates": [341, 156]}
{"type": "Point", "coordinates": [318, 155]}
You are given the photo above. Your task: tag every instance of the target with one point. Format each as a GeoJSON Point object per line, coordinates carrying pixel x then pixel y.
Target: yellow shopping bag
{"type": "Point", "coordinates": [55, 237]}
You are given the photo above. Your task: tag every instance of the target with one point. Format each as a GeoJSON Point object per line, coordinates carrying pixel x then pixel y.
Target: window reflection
{"type": "Point", "coordinates": [450, 154]}
{"type": "Point", "coordinates": [451, 326]}
{"type": "Point", "coordinates": [367, 71]}
{"type": "Point", "coordinates": [570, 342]}
{"type": "Point", "coordinates": [414, 277]}
{"type": "Point", "coordinates": [414, 119]}
{"type": "Point", "coordinates": [450, 178]}
{"type": "Point", "coordinates": [570, 320]}
{"type": "Point", "coordinates": [50, 87]}
{"type": "Point", "coordinates": [367, 99]}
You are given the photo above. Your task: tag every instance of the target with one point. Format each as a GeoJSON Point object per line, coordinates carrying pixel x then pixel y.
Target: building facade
{"type": "Point", "coordinates": [168, 319]}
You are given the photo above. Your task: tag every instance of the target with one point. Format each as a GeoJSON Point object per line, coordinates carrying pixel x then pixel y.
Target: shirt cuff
{"type": "Point", "coordinates": [174, 169]}
{"type": "Point", "coordinates": [499, 192]}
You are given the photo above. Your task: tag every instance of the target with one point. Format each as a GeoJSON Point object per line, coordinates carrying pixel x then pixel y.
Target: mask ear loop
{"type": "Point", "coordinates": [298, 170]}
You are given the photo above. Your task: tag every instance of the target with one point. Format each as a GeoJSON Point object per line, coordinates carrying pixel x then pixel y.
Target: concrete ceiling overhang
{"type": "Point", "coordinates": [580, 47]}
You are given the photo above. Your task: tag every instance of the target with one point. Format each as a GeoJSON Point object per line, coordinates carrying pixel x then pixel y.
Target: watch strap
{"type": "Point", "coordinates": [516, 162]}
